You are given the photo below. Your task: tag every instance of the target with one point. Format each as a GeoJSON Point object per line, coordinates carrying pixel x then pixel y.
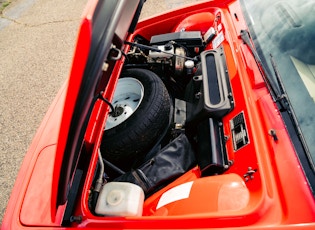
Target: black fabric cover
{"type": "Point", "coordinates": [169, 163]}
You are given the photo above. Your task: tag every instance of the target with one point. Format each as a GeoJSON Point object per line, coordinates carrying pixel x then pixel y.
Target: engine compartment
{"type": "Point", "coordinates": [192, 65]}
{"type": "Point", "coordinates": [208, 112]}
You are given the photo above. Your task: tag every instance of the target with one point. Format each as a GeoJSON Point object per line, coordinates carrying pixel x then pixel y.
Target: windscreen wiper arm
{"type": "Point", "coordinates": [271, 84]}
{"type": "Point", "coordinates": [287, 106]}
{"type": "Point", "coordinates": [278, 93]}
{"type": "Point", "coordinates": [282, 97]}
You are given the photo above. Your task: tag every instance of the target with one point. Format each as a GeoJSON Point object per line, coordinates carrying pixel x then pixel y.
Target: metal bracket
{"type": "Point", "coordinates": [249, 175]}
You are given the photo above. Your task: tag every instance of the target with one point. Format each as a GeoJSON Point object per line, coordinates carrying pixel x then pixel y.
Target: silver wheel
{"type": "Point", "coordinates": [142, 115]}
{"type": "Point", "coordinates": [127, 98]}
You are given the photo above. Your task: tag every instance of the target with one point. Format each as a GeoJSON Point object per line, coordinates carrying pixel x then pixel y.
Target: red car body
{"type": "Point", "coordinates": [265, 188]}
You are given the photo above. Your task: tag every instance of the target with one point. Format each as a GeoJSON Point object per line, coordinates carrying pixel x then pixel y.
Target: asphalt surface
{"type": "Point", "coordinates": [37, 40]}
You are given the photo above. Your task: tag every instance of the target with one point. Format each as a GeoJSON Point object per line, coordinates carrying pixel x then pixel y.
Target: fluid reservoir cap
{"type": "Point", "coordinates": [189, 64]}
{"type": "Point", "coordinates": [168, 46]}
{"type": "Point", "coordinates": [115, 197]}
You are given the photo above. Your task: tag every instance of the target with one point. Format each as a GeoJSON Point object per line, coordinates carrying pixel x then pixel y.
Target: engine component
{"type": "Point", "coordinates": [209, 35]}
{"type": "Point", "coordinates": [185, 38]}
{"type": "Point", "coordinates": [189, 65]}
{"type": "Point", "coordinates": [179, 61]}
{"type": "Point", "coordinates": [167, 51]}
{"type": "Point", "coordinates": [180, 112]}
{"type": "Point", "coordinates": [120, 199]}
{"type": "Point", "coordinates": [210, 94]}
{"type": "Point", "coordinates": [211, 155]}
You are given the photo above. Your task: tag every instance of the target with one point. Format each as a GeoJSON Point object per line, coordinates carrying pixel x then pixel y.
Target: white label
{"type": "Point", "coordinates": [174, 194]}
{"type": "Point", "coordinates": [220, 27]}
{"type": "Point", "coordinates": [218, 40]}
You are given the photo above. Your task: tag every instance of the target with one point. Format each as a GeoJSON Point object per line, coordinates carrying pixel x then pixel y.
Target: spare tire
{"type": "Point", "coordinates": [142, 113]}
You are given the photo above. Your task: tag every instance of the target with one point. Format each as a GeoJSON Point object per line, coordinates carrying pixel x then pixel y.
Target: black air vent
{"type": "Point", "coordinates": [209, 94]}
{"type": "Point", "coordinates": [239, 131]}
{"type": "Point", "coordinates": [214, 91]}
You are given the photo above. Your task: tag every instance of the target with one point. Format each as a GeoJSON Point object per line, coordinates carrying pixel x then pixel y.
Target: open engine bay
{"type": "Point", "coordinates": [202, 117]}
{"type": "Point", "coordinates": [202, 154]}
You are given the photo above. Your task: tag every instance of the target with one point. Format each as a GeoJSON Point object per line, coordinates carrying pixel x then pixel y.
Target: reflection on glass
{"type": "Point", "coordinates": [285, 29]}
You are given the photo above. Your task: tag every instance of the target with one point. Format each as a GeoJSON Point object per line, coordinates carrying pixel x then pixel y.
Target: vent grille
{"type": "Point", "coordinates": [239, 131]}
{"type": "Point", "coordinates": [214, 89]}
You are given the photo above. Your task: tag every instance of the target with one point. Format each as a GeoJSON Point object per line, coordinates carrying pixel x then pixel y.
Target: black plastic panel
{"type": "Point", "coordinates": [211, 154]}
{"type": "Point", "coordinates": [186, 38]}
{"type": "Point", "coordinates": [212, 77]}
{"type": "Point", "coordinates": [209, 94]}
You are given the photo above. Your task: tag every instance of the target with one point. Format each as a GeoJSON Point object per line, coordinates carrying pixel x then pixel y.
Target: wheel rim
{"type": "Point", "coordinates": [127, 98]}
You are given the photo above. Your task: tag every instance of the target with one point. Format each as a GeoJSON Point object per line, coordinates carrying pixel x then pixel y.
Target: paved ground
{"type": "Point", "coordinates": [4, 4]}
{"type": "Point", "coordinates": [36, 43]}
{"type": "Point", "coordinates": [37, 38]}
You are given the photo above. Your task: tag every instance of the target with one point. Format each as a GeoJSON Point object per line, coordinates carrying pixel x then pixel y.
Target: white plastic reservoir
{"type": "Point", "coordinates": [120, 199]}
